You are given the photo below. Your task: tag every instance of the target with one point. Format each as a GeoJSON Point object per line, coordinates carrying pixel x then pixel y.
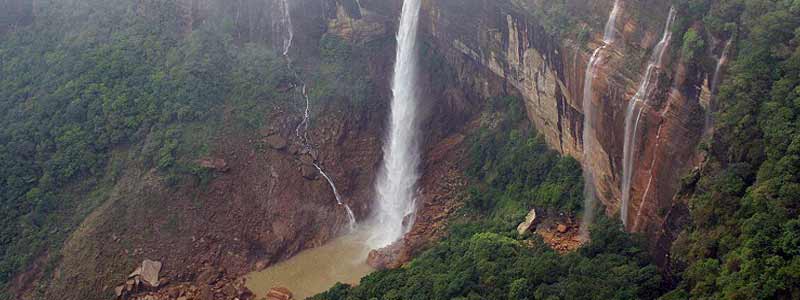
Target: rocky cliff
{"type": "Point", "coordinates": [266, 206]}
{"type": "Point", "coordinates": [510, 47]}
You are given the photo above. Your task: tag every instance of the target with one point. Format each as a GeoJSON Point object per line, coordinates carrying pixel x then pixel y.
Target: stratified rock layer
{"type": "Point", "coordinates": [498, 48]}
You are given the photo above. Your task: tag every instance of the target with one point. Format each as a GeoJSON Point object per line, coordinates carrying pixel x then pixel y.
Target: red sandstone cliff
{"type": "Point", "coordinates": [501, 47]}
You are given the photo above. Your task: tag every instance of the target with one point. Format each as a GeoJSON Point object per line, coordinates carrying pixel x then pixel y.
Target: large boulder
{"type": "Point", "coordinates": [279, 293]}
{"type": "Point", "coordinates": [150, 270]}
{"type": "Point", "coordinates": [387, 257]}
{"type": "Point", "coordinates": [530, 221]}
{"type": "Point", "coordinates": [146, 273]}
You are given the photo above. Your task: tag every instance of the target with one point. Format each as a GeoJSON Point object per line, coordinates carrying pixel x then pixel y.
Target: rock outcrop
{"type": "Point", "coordinates": [500, 47]}
{"type": "Point", "coordinates": [279, 293]}
{"type": "Point", "coordinates": [529, 222]}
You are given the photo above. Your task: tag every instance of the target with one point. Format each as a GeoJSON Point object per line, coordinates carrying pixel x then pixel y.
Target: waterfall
{"type": "Point", "coordinates": [304, 124]}
{"type": "Point", "coordinates": [350, 216]}
{"type": "Point", "coordinates": [634, 114]}
{"type": "Point", "coordinates": [723, 59]}
{"type": "Point", "coordinates": [588, 121]}
{"type": "Point", "coordinates": [285, 21]}
{"type": "Point", "coordinates": [398, 175]}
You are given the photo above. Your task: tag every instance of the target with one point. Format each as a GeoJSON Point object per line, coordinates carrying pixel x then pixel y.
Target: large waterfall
{"type": "Point", "coordinates": [396, 184]}
{"type": "Point", "coordinates": [588, 122]}
{"type": "Point", "coordinates": [283, 25]}
{"type": "Point", "coordinates": [634, 114]}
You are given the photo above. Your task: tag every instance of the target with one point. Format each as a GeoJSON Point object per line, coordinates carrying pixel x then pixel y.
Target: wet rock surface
{"type": "Point", "coordinates": [513, 54]}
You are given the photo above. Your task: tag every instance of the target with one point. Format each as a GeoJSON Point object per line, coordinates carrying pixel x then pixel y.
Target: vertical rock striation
{"type": "Point", "coordinates": [502, 47]}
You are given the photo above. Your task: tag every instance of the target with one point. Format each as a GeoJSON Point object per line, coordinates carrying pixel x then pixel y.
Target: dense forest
{"type": "Point", "coordinates": [89, 95]}
{"type": "Point", "coordinates": [743, 239]}
{"type": "Point", "coordinates": [125, 94]}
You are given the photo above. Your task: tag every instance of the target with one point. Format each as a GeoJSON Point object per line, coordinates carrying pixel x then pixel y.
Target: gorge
{"type": "Point", "coordinates": [248, 144]}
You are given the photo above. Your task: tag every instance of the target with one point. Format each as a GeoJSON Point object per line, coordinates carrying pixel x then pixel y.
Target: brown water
{"type": "Point", "coordinates": [316, 270]}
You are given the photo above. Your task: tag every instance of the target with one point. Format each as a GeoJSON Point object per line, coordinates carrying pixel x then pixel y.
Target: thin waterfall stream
{"type": "Point", "coordinates": [350, 216]}
{"type": "Point", "coordinates": [633, 115]}
{"type": "Point", "coordinates": [723, 59]}
{"type": "Point", "coordinates": [588, 122]}
{"type": "Point", "coordinates": [342, 259]}
{"type": "Point", "coordinates": [301, 131]}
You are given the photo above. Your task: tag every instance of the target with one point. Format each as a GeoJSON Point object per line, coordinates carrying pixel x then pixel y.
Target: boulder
{"type": "Point", "coordinates": [385, 258]}
{"type": "Point", "coordinates": [276, 142]}
{"type": "Point", "coordinates": [216, 164]}
{"type": "Point", "coordinates": [137, 272]}
{"type": "Point", "coordinates": [150, 270]}
{"type": "Point", "coordinates": [279, 293]}
{"type": "Point", "coordinates": [526, 225]}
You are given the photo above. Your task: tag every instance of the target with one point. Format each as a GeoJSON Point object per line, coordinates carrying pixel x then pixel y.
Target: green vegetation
{"type": "Point", "coordinates": [97, 90]}
{"type": "Point", "coordinates": [516, 171]}
{"type": "Point", "coordinates": [72, 92]}
{"type": "Point", "coordinates": [693, 46]}
{"type": "Point", "coordinates": [484, 258]}
{"type": "Point", "coordinates": [473, 263]}
{"type": "Point", "coordinates": [744, 238]}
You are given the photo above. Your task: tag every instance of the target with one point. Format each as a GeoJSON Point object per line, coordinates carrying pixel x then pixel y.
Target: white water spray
{"type": "Point", "coordinates": [398, 175]}
{"type": "Point", "coordinates": [285, 22]}
{"type": "Point", "coordinates": [723, 59]}
{"type": "Point", "coordinates": [589, 191]}
{"type": "Point", "coordinates": [304, 124]}
{"type": "Point", "coordinates": [633, 114]}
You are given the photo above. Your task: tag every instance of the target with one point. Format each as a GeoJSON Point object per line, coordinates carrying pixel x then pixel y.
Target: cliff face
{"type": "Point", "coordinates": [504, 49]}
{"type": "Point", "coordinates": [263, 209]}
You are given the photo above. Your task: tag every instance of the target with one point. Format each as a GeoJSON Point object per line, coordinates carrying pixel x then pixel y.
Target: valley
{"type": "Point", "coordinates": [376, 149]}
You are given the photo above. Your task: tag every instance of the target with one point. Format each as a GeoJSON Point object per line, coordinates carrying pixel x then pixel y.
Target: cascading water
{"type": "Point", "coordinates": [285, 22]}
{"type": "Point", "coordinates": [304, 124]}
{"type": "Point", "coordinates": [398, 174]}
{"type": "Point", "coordinates": [723, 59]}
{"type": "Point", "coordinates": [350, 216]}
{"type": "Point", "coordinates": [634, 114]}
{"type": "Point", "coordinates": [588, 121]}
